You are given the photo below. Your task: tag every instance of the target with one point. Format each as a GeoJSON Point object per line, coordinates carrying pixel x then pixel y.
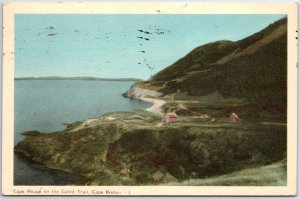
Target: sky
{"type": "Point", "coordinates": [119, 46]}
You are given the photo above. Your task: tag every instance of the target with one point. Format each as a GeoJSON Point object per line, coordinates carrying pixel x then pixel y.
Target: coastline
{"type": "Point", "coordinates": [156, 105]}
{"type": "Point", "coordinates": [132, 144]}
{"type": "Point", "coordinates": [136, 92]}
{"type": "Point", "coordinates": [118, 161]}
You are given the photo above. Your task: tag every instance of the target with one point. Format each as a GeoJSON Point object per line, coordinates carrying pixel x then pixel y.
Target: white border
{"type": "Point", "coordinates": [10, 9]}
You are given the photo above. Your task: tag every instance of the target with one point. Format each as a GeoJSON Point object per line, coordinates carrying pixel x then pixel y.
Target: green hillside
{"type": "Point", "coordinates": [254, 68]}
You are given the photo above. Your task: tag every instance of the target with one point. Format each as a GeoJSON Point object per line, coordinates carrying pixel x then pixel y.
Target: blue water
{"type": "Point", "coordinates": [47, 105]}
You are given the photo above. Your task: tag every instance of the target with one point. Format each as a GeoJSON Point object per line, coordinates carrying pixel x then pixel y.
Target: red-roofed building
{"type": "Point", "coordinates": [171, 117]}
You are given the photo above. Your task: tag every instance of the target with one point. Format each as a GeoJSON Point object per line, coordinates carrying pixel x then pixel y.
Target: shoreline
{"type": "Point", "coordinates": [147, 95]}
{"type": "Point", "coordinates": [156, 107]}
{"type": "Point", "coordinates": [120, 133]}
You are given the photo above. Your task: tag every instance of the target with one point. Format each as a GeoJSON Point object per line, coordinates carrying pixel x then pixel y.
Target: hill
{"type": "Point", "coordinates": [254, 68]}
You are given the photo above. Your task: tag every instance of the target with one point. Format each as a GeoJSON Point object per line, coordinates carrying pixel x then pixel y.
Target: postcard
{"type": "Point", "coordinates": [149, 99]}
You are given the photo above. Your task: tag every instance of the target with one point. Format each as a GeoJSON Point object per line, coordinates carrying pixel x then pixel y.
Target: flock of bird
{"type": "Point", "coordinates": [143, 36]}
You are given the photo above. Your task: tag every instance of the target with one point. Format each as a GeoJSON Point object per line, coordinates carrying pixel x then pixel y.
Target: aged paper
{"type": "Point", "coordinates": [117, 170]}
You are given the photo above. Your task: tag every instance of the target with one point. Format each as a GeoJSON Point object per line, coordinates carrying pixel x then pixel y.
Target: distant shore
{"type": "Point", "coordinates": [77, 78]}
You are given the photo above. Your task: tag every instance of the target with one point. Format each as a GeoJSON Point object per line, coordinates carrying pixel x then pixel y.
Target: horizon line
{"type": "Point", "coordinates": [76, 78]}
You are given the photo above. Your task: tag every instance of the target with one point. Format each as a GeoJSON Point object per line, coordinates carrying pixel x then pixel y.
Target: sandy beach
{"type": "Point", "coordinates": [147, 96]}
{"type": "Point", "coordinates": [156, 105]}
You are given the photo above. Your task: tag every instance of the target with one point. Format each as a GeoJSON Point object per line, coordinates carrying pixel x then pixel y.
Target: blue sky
{"type": "Point", "coordinates": [119, 46]}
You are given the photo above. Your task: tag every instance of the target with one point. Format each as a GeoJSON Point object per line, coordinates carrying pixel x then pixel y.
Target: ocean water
{"type": "Point", "coordinates": [48, 105]}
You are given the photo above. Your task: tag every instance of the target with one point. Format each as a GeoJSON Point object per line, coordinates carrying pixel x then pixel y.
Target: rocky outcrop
{"type": "Point", "coordinates": [137, 92]}
{"type": "Point", "coordinates": [147, 95]}
{"type": "Point", "coordinates": [135, 148]}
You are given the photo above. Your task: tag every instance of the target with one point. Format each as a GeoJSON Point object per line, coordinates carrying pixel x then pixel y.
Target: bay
{"type": "Point", "coordinates": [48, 105]}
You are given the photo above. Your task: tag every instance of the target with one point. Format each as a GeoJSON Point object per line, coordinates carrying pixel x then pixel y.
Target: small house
{"type": "Point", "coordinates": [171, 117]}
